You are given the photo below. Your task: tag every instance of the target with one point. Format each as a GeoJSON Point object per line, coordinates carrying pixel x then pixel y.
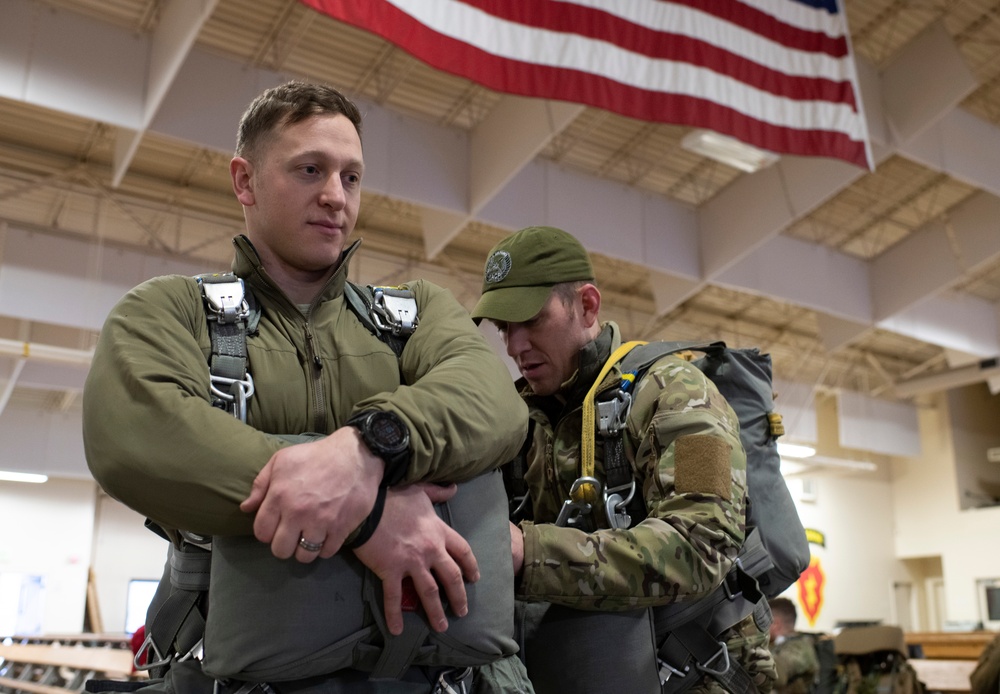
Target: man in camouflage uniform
{"type": "Point", "coordinates": [587, 591]}
{"type": "Point", "coordinates": [794, 653]}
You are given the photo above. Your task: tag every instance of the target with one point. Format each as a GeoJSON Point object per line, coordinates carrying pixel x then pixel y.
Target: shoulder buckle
{"type": "Point", "coordinates": [224, 297]}
{"type": "Point", "coordinates": [394, 310]}
{"type": "Point", "coordinates": [612, 414]}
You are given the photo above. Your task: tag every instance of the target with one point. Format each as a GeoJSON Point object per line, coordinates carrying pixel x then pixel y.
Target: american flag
{"type": "Point", "coordinates": [776, 74]}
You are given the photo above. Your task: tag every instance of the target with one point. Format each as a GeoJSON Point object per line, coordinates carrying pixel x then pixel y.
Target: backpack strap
{"type": "Point", "coordinates": [518, 495]}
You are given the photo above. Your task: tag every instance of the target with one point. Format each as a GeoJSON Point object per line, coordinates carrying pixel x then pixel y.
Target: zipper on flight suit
{"type": "Point", "coordinates": [319, 396]}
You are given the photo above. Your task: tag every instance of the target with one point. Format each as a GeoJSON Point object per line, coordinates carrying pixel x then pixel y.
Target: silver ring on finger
{"type": "Point", "coordinates": [309, 546]}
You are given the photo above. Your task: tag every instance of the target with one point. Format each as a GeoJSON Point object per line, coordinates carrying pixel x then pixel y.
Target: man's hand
{"type": "Point", "coordinates": [517, 548]}
{"type": "Point", "coordinates": [318, 491]}
{"type": "Point", "coordinates": [412, 541]}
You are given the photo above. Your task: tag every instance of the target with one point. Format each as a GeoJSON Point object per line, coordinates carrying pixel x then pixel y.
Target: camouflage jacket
{"type": "Point", "coordinates": [682, 438]}
{"type": "Point", "coordinates": [797, 663]}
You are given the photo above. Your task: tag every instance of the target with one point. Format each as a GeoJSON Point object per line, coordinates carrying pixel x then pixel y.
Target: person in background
{"type": "Point", "coordinates": [342, 443]}
{"type": "Point", "coordinates": [588, 575]}
{"type": "Point", "coordinates": [794, 653]}
{"type": "Point", "coordinates": [985, 679]}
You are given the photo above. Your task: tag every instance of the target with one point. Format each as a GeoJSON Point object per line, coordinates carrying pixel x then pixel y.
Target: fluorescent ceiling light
{"type": "Point", "coordinates": [22, 477]}
{"type": "Point", "coordinates": [728, 150]}
{"type": "Point", "coordinates": [794, 450]}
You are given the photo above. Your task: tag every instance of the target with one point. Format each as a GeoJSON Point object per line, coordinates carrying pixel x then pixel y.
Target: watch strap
{"type": "Point", "coordinates": [367, 529]}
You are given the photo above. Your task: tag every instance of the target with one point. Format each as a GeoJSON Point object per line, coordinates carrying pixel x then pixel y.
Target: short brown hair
{"type": "Point", "coordinates": [784, 609]}
{"type": "Point", "coordinates": [286, 104]}
{"type": "Point", "coordinates": [566, 291]}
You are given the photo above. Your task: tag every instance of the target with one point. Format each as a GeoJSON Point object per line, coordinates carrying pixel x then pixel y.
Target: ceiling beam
{"type": "Point", "coordinates": [179, 25]}
{"type": "Point", "coordinates": [936, 256]}
{"type": "Point", "coordinates": [513, 134]}
{"type": "Point", "coordinates": [95, 71]}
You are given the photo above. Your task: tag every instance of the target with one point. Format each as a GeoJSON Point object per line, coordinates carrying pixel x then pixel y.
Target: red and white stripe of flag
{"type": "Point", "coordinates": [777, 74]}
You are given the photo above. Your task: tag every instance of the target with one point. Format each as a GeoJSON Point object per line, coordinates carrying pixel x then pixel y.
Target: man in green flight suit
{"type": "Point", "coordinates": [342, 440]}
{"type": "Point", "coordinates": [588, 584]}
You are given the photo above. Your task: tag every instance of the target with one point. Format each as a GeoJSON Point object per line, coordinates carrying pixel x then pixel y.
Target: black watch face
{"type": "Point", "coordinates": [388, 431]}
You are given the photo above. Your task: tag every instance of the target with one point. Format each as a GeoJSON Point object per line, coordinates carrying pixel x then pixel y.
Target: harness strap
{"type": "Point", "coordinates": [520, 507]}
{"type": "Point", "coordinates": [689, 634]}
{"type": "Point", "coordinates": [177, 627]}
{"type": "Point", "coordinates": [389, 313]}
{"type": "Point", "coordinates": [230, 310]}
{"type": "Point", "coordinates": [587, 493]}
{"type": "Point", "coordinates": [693, 645]}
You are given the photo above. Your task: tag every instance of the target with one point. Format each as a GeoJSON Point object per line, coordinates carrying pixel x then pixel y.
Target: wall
{"type": "Point", "coordinates": [852, 511]}
{"type": "Point", "coordinates": [123, 550]}
{"type": "Point", "coordinates": [929, 522]}
{"type": "Point", "coordinates": [48, 531]}
{"type": "Point", "coordinates": [973, 417]}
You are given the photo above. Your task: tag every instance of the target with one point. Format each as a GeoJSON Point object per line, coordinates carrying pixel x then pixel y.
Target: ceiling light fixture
{"type": "Point", "coordinates": [795, 450]}
{"type": "Point", "coordinates": [728, 150]}
{"type": "Point", "coordinates": [22, 477]}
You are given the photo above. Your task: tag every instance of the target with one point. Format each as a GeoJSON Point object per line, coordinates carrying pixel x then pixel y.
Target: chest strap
{"type": "Point", "coordinates": [230, 310]}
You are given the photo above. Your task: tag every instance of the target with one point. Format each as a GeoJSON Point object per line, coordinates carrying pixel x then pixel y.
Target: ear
{"type": "Point", "coordinates": [241, 171]}
{"type": "Point", "coordinates": [590, 298]}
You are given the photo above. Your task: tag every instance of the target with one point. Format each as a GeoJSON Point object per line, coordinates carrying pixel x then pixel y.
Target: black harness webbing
{"type": "Point", "coordinates": [689, 633]}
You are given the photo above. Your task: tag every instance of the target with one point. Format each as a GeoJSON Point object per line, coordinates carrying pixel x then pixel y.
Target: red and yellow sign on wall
{"type": "Point", "coordinates": [812, 580]}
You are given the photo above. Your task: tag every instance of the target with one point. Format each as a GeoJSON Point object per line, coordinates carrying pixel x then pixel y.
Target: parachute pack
{"type": "Point", "coordinates": [773, 556]}
{"type": "Point", "coordinates": [743, 376]}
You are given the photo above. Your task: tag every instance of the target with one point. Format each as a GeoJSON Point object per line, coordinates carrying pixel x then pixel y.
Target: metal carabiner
{"type": "Point", "coordinates": [237, 401]}
{"type": "Point", "coordinates": [576, 507]}
{"type": "Point", "coordinates": [614, 506]}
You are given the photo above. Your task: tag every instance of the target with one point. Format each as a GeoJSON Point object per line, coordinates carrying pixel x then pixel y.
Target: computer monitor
{"type": "Point", "coordinates": [140, 593]}
{"type": "Point", "coordinates": [989, 602]}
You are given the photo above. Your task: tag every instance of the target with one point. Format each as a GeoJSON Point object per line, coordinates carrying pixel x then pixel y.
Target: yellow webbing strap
{"type": "Point", "coordinates": [586, 492]}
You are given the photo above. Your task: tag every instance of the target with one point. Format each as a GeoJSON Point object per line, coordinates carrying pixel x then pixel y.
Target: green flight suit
{"type": "Point", "coordinates": [154, 441]}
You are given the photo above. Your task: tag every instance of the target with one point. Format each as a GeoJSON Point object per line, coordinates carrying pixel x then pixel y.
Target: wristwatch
{"type": "Point", "coordinates": [388, 437]}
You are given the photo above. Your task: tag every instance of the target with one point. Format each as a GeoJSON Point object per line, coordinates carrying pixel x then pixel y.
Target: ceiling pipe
{"type": "Point", "coordinates": [30, 350]}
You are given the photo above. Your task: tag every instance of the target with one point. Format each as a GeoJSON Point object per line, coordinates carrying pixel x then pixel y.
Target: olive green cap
{"type": "Point", "coordinates": [522, 269]}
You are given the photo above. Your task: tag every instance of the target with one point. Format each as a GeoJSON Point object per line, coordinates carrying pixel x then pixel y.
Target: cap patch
{"type": "Point", "coordinates": [497, 267]}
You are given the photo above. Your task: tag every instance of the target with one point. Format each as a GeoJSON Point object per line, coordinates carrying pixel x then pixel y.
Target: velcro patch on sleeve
{"type": "Point", "coordinates": [701, 465]}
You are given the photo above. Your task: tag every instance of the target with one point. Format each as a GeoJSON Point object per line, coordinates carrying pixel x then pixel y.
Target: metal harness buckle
{"type": "Point", "coordinates": [149, 646]}
{"type": "Point", "coordinates": [454, 681]}
{"type": "Point", "coordinates": [394, 310]}
{"type": "Point", "coordinates": [612, 414]}
{"type": "Point", "coordinates": [225, 299]}
{"type": "Point", "coordinates": [667, 671]}
{"type": "Point", "coordinates": [614, 505]}
{"type": "Point", "coordinates": [724, 654]}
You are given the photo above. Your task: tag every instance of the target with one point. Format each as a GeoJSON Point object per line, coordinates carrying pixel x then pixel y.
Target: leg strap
{"type": "Point", "coordinates": [692, 646]}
